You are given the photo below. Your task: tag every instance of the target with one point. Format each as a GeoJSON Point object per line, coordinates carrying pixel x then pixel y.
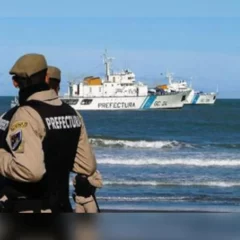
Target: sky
{"type": "Point", "coordinates": [195, 40]}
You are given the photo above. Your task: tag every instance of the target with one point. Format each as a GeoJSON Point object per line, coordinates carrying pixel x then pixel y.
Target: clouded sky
{"type": "Point", "coordinates": [197, 40]}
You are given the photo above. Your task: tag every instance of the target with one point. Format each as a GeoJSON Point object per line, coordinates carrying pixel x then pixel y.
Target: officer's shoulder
{"type": "Point", "coordinates": [26, 110]}
{"type": "Point", "coordinates": [27, 114]}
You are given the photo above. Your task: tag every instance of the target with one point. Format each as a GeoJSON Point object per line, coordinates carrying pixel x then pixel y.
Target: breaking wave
{"type": "Point", "coordinates": [100, 142]}
{"type": "Point", "coordinates": [171, 144]}
{"type": "Point", "coordinates": [139, 199]}
{"type": "Point", "coordinates": [173, 184]}
{"type": "Point", "coordinates": [165, 162]}
{"type": "Point", "coordinates": [199, 198]}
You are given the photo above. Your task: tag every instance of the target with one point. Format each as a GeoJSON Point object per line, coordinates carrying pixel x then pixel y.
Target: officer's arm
{"type": "Point", "coordinates": [85, 161]}
{"type": "Point", "coordinates": [25, 140]}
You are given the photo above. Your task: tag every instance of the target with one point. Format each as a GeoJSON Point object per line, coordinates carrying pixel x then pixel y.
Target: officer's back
{"type": "Point", "coordinates": [42, 139]}
{"type": "Point", "coordinates": [84, 186]}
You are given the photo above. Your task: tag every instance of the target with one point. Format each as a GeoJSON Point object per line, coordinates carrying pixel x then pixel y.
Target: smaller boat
{"type": "Point", "coordinates": [194, 97]}
{"type": "Point", "coordinates": [203, 98]}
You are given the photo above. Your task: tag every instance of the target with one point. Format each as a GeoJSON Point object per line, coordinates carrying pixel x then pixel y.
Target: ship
{"type": "Point", "coordinates": [194, 97]}
{"type": "Point", "coordinates": [119, 91]}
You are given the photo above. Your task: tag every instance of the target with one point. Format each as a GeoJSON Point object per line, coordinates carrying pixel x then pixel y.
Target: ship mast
{"type": "Point", "coordinates": [107, 61]}
{"type": "Point", "coordinates": [169, 77]}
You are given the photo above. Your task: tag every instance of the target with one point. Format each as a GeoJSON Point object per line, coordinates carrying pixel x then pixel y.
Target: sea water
{"type": "Point", "coordinates": [186, 159]}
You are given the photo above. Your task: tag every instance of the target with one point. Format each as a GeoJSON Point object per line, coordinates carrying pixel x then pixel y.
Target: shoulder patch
{"type": "Point", "coordinates": [16, 140]}
{"type": "Point", "coordinates": [17, 125]}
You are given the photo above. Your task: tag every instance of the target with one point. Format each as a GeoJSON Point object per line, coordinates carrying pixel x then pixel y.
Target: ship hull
{"type": "Point", "coordinates": [171, 101]}
{"type": "Point", "coordinates": [202, 98]}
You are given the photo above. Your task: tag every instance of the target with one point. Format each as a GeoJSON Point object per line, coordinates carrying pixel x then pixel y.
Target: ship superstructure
{"type": "Point", "coordinates": [118, 91]}
{"type": "Point", "coordinates": [194, 97]}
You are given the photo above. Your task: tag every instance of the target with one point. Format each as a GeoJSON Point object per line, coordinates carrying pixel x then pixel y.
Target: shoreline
{"type": "Point", "coordinates": [167, 210]}
{"type": "Point", "coordinates": [160, 211]}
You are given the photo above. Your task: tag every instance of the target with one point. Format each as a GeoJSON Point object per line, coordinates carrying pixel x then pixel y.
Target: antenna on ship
{"type": "Point", "coordinates": [107, 61]}
{"type": "Point", "coordinates": [169, 77]}
{"type": "Point", "coordinates": [70, 82]}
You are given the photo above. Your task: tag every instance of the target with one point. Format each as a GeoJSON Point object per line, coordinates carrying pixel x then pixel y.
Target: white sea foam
{"type": "Point", "coordinates": [177, 184]}
{"type": "Point", "coordinates": [139, 199]}
{"type": "Point", "coordinates": [126, 183]}
{"type": "Point", "coordinates": [138, 144]}
{"type": "Point", "coordinates": [164, 162]}
{"type": "Point", "coordinates": [164, 199]}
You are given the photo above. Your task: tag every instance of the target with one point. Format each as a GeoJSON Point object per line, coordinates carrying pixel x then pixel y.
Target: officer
{"type": "Point", "coordinates": [44, 141]}
{"type": "Point", "coordinates": [85, 186]}
{"type": "Point", "coordinates": [54, 75]}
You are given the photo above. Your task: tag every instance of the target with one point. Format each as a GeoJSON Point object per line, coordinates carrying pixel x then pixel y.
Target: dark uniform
{"type": "Point", "coordinates": [84, 186]}
{"type": "Point", "coordinates": [42, 141]}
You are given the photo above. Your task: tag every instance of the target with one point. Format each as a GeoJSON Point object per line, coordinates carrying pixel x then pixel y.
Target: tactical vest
{"type": "Point", "coordinates": [63, 128]}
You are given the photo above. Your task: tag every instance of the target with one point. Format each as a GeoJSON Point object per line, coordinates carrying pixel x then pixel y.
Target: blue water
{"type": "Point", "coordinates": [167, 159]}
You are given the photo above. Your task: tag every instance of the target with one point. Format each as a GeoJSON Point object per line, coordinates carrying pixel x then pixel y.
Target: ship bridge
{"type": "Point", "coordinates": [115, 84]}
{"type": "Point", "coordinates": [125, 77]}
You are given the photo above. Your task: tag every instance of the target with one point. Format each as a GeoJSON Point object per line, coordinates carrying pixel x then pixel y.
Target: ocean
{"type": "Point", "coordinates": [186, 159]}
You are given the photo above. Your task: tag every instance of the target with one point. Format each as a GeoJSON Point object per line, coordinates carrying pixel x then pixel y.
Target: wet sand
{"type": "Point", "coordinates": [160, 211]}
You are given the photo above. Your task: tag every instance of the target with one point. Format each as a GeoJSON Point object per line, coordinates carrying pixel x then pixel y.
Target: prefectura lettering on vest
{"type": "Point", "coordinates": [63, 122]}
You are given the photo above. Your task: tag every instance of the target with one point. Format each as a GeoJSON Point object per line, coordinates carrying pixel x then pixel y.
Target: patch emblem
{"type": "Point", "coordinates": [16, 140]}
{"type": "Point", "coordinates": [20, 124]}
